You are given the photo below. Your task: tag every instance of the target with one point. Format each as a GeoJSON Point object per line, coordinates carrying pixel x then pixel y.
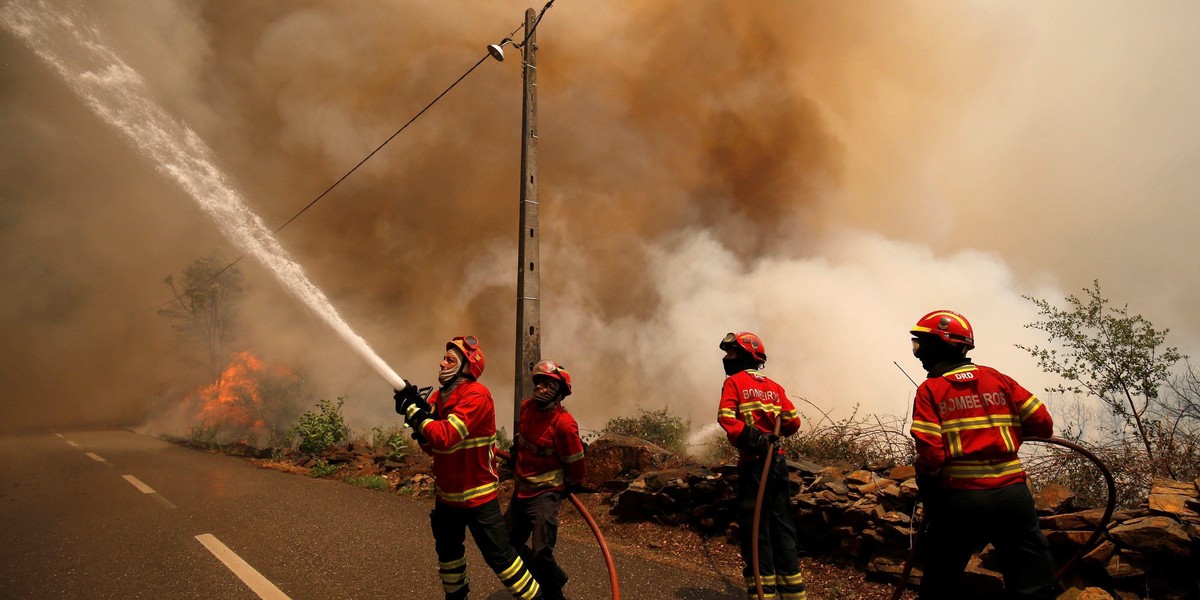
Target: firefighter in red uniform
{"type": "Point", "coordinates": [750, 405]}
{"type": "Point", "coordinates": [549, 458]}
{"type": "Point", "coordinates": [457, 426]}
{"type": "Point", "coordinates": [968, 423]}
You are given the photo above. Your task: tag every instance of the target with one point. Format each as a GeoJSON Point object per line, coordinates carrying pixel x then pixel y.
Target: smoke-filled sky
{"type": "Point", "coordinates": [820, 173]}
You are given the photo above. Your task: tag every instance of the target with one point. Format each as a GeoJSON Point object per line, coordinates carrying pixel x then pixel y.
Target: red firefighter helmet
{"type": "Point", "coordinates": [553, 370]}
{"type": "Point", "coordinates": [948, 325]}
{"type": "Point", "coordinates": [750, 343]}
{"type": "Point", "coordinates": [468, 346]}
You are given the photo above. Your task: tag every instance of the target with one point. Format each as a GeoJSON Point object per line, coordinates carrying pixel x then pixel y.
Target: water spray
{"type": "Point", "coordinates": [118, 95]}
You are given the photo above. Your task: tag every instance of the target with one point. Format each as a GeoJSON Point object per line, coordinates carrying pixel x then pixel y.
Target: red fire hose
{"type": "Point", "coordinates": [587, 517]}
{"type": "Point", "coordinates": [758, 502]}
{"type": "Point", "coordinates": [1087, 546]}
{"type": "Point", "coordinates": [608, 560]}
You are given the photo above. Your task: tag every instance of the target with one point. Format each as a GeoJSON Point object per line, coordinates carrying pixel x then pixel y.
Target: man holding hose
{"type": "Point", "coordinates": [968, 422]}
{"type": "Point", "coordinates": [751, 405]}
{"type": "Point", "coordinates": [549, 463]}
{"type": "Point", "coordinates": [457, 426]}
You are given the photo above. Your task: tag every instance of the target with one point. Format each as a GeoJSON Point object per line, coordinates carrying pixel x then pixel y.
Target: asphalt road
{"type": "Point", "coordinates": [114, 514]}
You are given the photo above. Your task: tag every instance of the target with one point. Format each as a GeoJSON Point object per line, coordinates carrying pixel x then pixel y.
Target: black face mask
{"type": "Point", "coordinates": [738, 364]}
{"type": "Point", "coordinates": [937, 356]}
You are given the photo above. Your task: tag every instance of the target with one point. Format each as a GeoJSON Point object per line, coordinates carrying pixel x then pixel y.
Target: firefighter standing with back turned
{"type": "Point", "coordinates": [750, 405]}
{"type": "Point", "coordinates": [968, 423]}
{"type": "Point", "coordinates": [458, 427]}
{"type": "Point", "coordinates": [549, 456]}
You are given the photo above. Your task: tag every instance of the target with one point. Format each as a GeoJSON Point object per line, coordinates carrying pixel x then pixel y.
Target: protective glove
{"type": "Point", "coordinates": [417, 416]}
{"type": "Point", "coordinates": [410, 397]}
{"type": "Point", "coordinates": [752, 439]}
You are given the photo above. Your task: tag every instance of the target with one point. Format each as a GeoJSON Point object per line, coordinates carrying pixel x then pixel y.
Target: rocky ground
{"type": "Point", "coordinates": [856, 521]}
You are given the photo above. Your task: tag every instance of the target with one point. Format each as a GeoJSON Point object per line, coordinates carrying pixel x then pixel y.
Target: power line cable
{"type": "Point", "coordinates": [373, 152]}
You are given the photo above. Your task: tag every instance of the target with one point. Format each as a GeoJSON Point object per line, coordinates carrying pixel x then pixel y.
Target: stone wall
{"type": "Point", "coordinates": [867, 516]}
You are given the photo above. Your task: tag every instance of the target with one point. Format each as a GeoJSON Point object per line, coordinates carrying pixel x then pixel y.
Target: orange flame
{"type": "Point", "coordinates": [235, 401]}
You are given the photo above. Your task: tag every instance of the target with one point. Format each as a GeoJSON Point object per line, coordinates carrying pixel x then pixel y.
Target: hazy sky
{"type": "Point", "coordinates": [820, 173]}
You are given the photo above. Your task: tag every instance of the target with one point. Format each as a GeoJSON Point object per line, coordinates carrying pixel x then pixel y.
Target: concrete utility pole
{"type": "Point", "coordinates": [529, 313]}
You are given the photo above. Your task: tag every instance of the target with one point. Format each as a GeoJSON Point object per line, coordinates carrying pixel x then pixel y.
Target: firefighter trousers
{"type": "Point", "coordinates": [778, 560]}
{"type": "Point", "coordinates": [962, 522]}
{"type": "Point", "coordinates": [535, 520]}
{"type": "Point", "coordinates": [450, 525]}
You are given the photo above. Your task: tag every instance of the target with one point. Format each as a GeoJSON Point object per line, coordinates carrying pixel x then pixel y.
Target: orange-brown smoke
{"type": "Point", "coordinates": [822, 173]}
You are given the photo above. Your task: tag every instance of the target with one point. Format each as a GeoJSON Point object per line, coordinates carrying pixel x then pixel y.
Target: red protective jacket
{"type": "Point", "coordinates": [750, 399]}
{"type": "Point", "coordinates": [549, 452]}
{"type": "Point", "coordinates": [968, 425]}
{"type": "Point", "coordinates": [461, 438]}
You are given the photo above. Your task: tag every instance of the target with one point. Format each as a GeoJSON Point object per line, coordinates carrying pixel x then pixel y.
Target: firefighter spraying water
{"type": "Point", "coordinates": [457, 426]}
{"type": "Point", "coordinates": [754, 411]}
{"type": "Point", "coordinates": [968, 424]}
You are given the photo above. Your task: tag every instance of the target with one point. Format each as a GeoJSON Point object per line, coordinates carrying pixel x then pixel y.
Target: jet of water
{"type": "Point", "coordinates": [116, 93]}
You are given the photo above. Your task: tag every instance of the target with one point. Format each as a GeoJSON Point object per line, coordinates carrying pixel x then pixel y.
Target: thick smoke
{"type": "Point", "coordinates": [821, 174]}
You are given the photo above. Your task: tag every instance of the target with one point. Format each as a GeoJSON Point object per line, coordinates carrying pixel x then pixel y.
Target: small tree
{"type": "Point", "coordinates": [1108, 354]}
{"type": "Point", "coordinates": [205, 307]}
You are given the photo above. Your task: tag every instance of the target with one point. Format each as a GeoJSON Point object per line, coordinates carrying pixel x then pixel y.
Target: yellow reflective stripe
{"type": "Point", "coordinates": [530, 592]}
{"type": "Point", "coordinates": [926, 427]}
{"type": "Point", "coordinates": [768, 579]}
{"type": "Point", "coordinates": [954, 441]}
{"type": "Point", "coordinates": [555, 476]}
{"type": "Point", "coordinates": [1029, 407]}
{"type": "Point", "coordinates": [458, 425]}
{"type": "Point", "coordinates": [794, 579]}
{"type": "Point", "coordinates": [982, 422]}
{"type": "Point", "coordinates": [453, 578]}
{"type": "Point", "coordinates": [573, 458]}
{"type": "Point", "coordinates": [454, 564]}
{"type": "Point", "coordinates": [801, 595]}
{"type": "Point", "coordinates": [727, 412]}
{"type": "Point", "coordinates": [753, 406]}
{"type": "Point", "coordinates": [468, 494]}
{"type": "Point", "coordinates": [977, 470]}
{"type": "Point", "coordinates": [468, 443]}
{"type": "Point", "coordinates": [960, 370]}
{"type": "Point", "coordinates": [790, 414]}
{"type": "Point", "coordinates": [513, 569]}
{"type": "Point", "coordinates": [1009, 444]}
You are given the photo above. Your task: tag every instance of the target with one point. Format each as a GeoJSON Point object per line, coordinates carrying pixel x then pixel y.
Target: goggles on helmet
{"type": "Point", "coordinates": [468, 345]}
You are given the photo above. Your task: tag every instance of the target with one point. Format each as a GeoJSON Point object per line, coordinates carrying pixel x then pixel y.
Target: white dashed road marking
{"type": "Point", "coordinates": [137, 483]}
{"type": "Point", "coordinates": [252, 578]}
{"type": "Point", "coordinates": [72, 444]}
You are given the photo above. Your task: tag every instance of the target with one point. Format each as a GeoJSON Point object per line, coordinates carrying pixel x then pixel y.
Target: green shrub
{"type": "Point", "coordinates": [320, 430]}
{"type": "Point", "coordinates": [656, 426]}
{"type": "Point", "coordinates": [371, 482]}
{"type": "Point", "coordinates": [394, 439]}
{"type": "Point", "coordinates": [324, 469]}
